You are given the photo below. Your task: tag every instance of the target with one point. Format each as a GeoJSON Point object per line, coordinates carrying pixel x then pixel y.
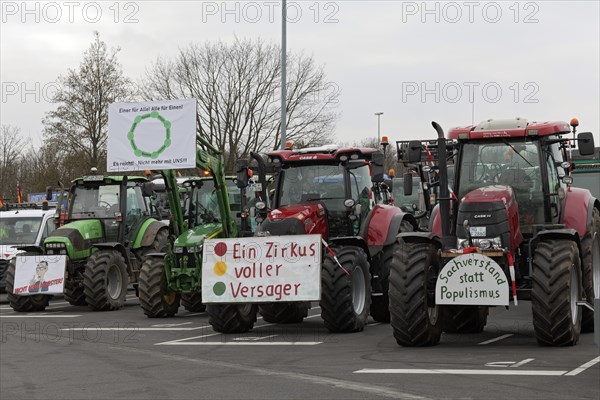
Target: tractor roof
{"type": "Point", "coordinates": [329, 152]}
{"type": "Point", "coordinates": [509, 128]}
{"type": "Point", "coordinates": [108, 179]}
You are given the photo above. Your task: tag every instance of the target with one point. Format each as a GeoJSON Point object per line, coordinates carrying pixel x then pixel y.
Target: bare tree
{"type": "Point", "coordinates": [11, 148]}
{"type": "Point", "coordinates": [79, 123]}
{"type": "Point", "coordinates": [238, 91]}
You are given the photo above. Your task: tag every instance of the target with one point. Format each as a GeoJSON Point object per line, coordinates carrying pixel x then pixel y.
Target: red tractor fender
{"type": "Point", "coordinates": [382, 225]}
{"type": "Point", "coordinates": [435, 221]}
{"type": "Point", "coordinates": [577, 213]}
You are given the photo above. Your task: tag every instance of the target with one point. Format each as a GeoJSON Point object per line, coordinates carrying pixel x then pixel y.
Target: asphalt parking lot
{"type": "Point", "coordinates": [71, 352]}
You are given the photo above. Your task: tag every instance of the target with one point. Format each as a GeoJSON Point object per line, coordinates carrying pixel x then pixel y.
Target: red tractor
{"type": "Point", "coordinates": [331, 191]}
{"type": "Point", "coordinates": [511, 228]}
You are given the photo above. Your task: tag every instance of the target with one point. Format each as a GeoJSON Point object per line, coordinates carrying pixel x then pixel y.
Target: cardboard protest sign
{"type": "Point", "coordinates": [39, 275]}
{"type": "Point", "coordinates": [472, 279]}
{"type": "Point", "coordinates": [151, 135]}
{"type": "Point", "coordinates": [262, 269]}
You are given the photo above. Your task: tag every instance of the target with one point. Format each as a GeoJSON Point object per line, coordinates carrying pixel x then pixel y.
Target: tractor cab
{"type": "Point", "coordinates": [324, 190]}
{"type": "Point", "coordinates": [109, 202]}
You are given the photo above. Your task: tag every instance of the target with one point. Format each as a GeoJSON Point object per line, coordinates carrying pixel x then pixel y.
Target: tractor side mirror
{"type": "Point", "coordinates": [147, 189]}
{"type": "Point", "coordinates": [377, 171]}
{"type": "Point", "coordinates": [586, 143]}
{"type": "Point", "coordinates": [408, 184]}
{"type": "Point", "coordinates": [48, 193]}
{"type": "Point", "coordinates": [414, 151]}
{"type": "Point", "coordinates": [242, 173]}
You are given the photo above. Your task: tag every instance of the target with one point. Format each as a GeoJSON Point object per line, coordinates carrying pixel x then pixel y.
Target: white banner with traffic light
{"type": "Point", "coordinates": [151, 135]}
{"type": "Point", "coordinates": [472, 279]}
{"type": "Point", "coordinates": [261, 269]}
{"type": "Point", "coordinates": [39, 275]}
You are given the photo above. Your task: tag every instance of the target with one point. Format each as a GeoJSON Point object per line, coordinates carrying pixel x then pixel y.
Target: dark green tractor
{"type": "Point", "coordinates": [173, 278]}
{"type": "Point", "coordinates": [108, 229]}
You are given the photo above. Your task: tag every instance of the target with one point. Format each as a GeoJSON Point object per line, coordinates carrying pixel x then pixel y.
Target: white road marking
{"type": "Point", "coordinates": [134, 328]}
{"type": "Point", "coordinates": [370, 390]}
{"type": "Point", "coordinates": [253, 338]}
{"type": "Point", "coordinates": [170, 325]}
{"type": "Point", "coordinates": [523, 362]}
{"type": "Point", "coordinates": [497, 339]}
{"type": "Point", "coordinates": [245, 343]}
{"type": "Point", "coordinates": [185, 341]}
{"type": "Point", "coordinates": [500, 364]}
{"type": "Point", "coordinates": [583, 367]}
{"type": "Point", "coordinates": [374, 324]}
{"type": "Point", "coordinates": [461, 372]}
{"type": "Point", "coordinates": [40, 316]}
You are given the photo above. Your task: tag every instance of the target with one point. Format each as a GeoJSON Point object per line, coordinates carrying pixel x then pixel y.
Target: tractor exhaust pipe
{"type": "Point", "coordinates": [447, 240]}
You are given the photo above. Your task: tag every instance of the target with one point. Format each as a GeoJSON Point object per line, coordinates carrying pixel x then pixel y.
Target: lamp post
{"type": "Point", "coordinates": [379, 114]}
{"type": "Point", "coordinates": [282, 135]}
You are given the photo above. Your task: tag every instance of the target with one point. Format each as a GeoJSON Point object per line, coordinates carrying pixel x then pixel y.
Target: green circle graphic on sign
{"type": "Point", "coordinates": [153, 154]}
{"type": "Point", "coordinates": [219, 288]}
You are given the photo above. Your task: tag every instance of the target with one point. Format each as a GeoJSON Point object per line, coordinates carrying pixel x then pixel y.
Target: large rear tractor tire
{"type": "Point", "coordinates": [231, 318]}
{"type": "Point", "coordinates": [414, 315]}
{"type": "Point", "coordinates": [380, 302]}
{"type": "Point", "coordinates": [156, 299]}
{"type": "Point", "coordinates": [555, 292]}
{"type": "Point", "coordinates": [284, 313]}
{"type": "Point", "coordinates": [464, 319]}
{"type": "Point", "coordinates": [105, 280]}
{"type": "Point", "coordinates": [74, 292]}
{"type": "Point", "coordinates": [590, 247]}
{"type": "Point", "coordinates": [37, 302]}
{"type": "Point", "coordinates": [345, 298]}
{"type": "Point", "coordinates": [193, 301]}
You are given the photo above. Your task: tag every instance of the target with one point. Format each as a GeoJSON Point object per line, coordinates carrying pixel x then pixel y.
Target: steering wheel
{"type": "Point", "coordinates": [106, 204]}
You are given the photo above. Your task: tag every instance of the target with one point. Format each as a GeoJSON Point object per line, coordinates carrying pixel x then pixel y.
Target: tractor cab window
{"type": "Point", "coordinates": [204, 205]}
{"type": "Point", "coordinates": [515, 164]}
{"type": "Point", "coordinates": [95, 202]}
{"type": "Point", "coordinates": [304, 184]}
{"type": "Point", "coordinates": [360, 190]}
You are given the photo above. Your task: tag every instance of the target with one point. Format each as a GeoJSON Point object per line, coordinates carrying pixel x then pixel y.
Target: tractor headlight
{"type": "Point", "coordinates": [56, 248]}
{"type": "Point", "coordinates": [482, 243]}
{"type": "Point", "coordinates": [178, 250]}
{"type": "Point", "coordinates": [197, 249]}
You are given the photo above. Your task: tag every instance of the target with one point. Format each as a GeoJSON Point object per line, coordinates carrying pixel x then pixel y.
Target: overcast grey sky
{"type": "Point", "coordinates": [414, 61]}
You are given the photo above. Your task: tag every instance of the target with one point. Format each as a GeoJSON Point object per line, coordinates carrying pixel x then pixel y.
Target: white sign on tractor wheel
{"type": "Point", "coordinates": [151, 135]}
{"type": "Point", "coordinates": [472, 279]}
{"type": "Point", "coordinates": [39, 275]}
{"type": "Point", "coordinates": [262, 269]}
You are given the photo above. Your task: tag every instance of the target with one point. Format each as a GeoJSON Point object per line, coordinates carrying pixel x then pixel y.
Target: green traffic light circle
{"type": "Point", "coordinates": [131, 135]}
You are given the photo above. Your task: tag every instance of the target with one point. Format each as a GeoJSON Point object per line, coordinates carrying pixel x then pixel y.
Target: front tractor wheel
{"type": "Point", "coordinates": [555, 292]}
{"type": "Point", "coordinates": [414, 315]}
{"type": "Point", "coordinates": [193, 301]}
{"type": "Point", "coordinates": [231, 318]}
{"type": "Point", "coordinates": [156, 299]}
{"type": "Point", "coordinates": [105, 280]}
{"type": "Point", "coordinates": [345, 295]}
{"type": "Point", "coordinates": [37, 302]}
{"type": "Point", "coordinates": [284, 313]}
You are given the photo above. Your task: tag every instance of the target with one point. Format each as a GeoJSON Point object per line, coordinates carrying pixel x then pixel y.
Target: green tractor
{"type": "Point", "coordinates": [108, 230]}
{"type": "Point", "coordinates": [173, 278]}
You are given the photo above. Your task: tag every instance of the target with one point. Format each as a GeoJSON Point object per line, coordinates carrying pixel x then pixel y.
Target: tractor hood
{"type": "Point", "coordinates": [297, 219]}
{"type": "Point", "coordinates": [488, 194]}
{"type": "Point", "coordinates": [78, 233]}
{"type": "Point", "coordinates": [196, 236]}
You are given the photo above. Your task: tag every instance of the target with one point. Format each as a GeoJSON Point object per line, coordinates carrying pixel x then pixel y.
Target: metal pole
{"type": "Point", "coordinates": [379, 114]}
{"type": "Point", "coordinates": [283, 74]}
